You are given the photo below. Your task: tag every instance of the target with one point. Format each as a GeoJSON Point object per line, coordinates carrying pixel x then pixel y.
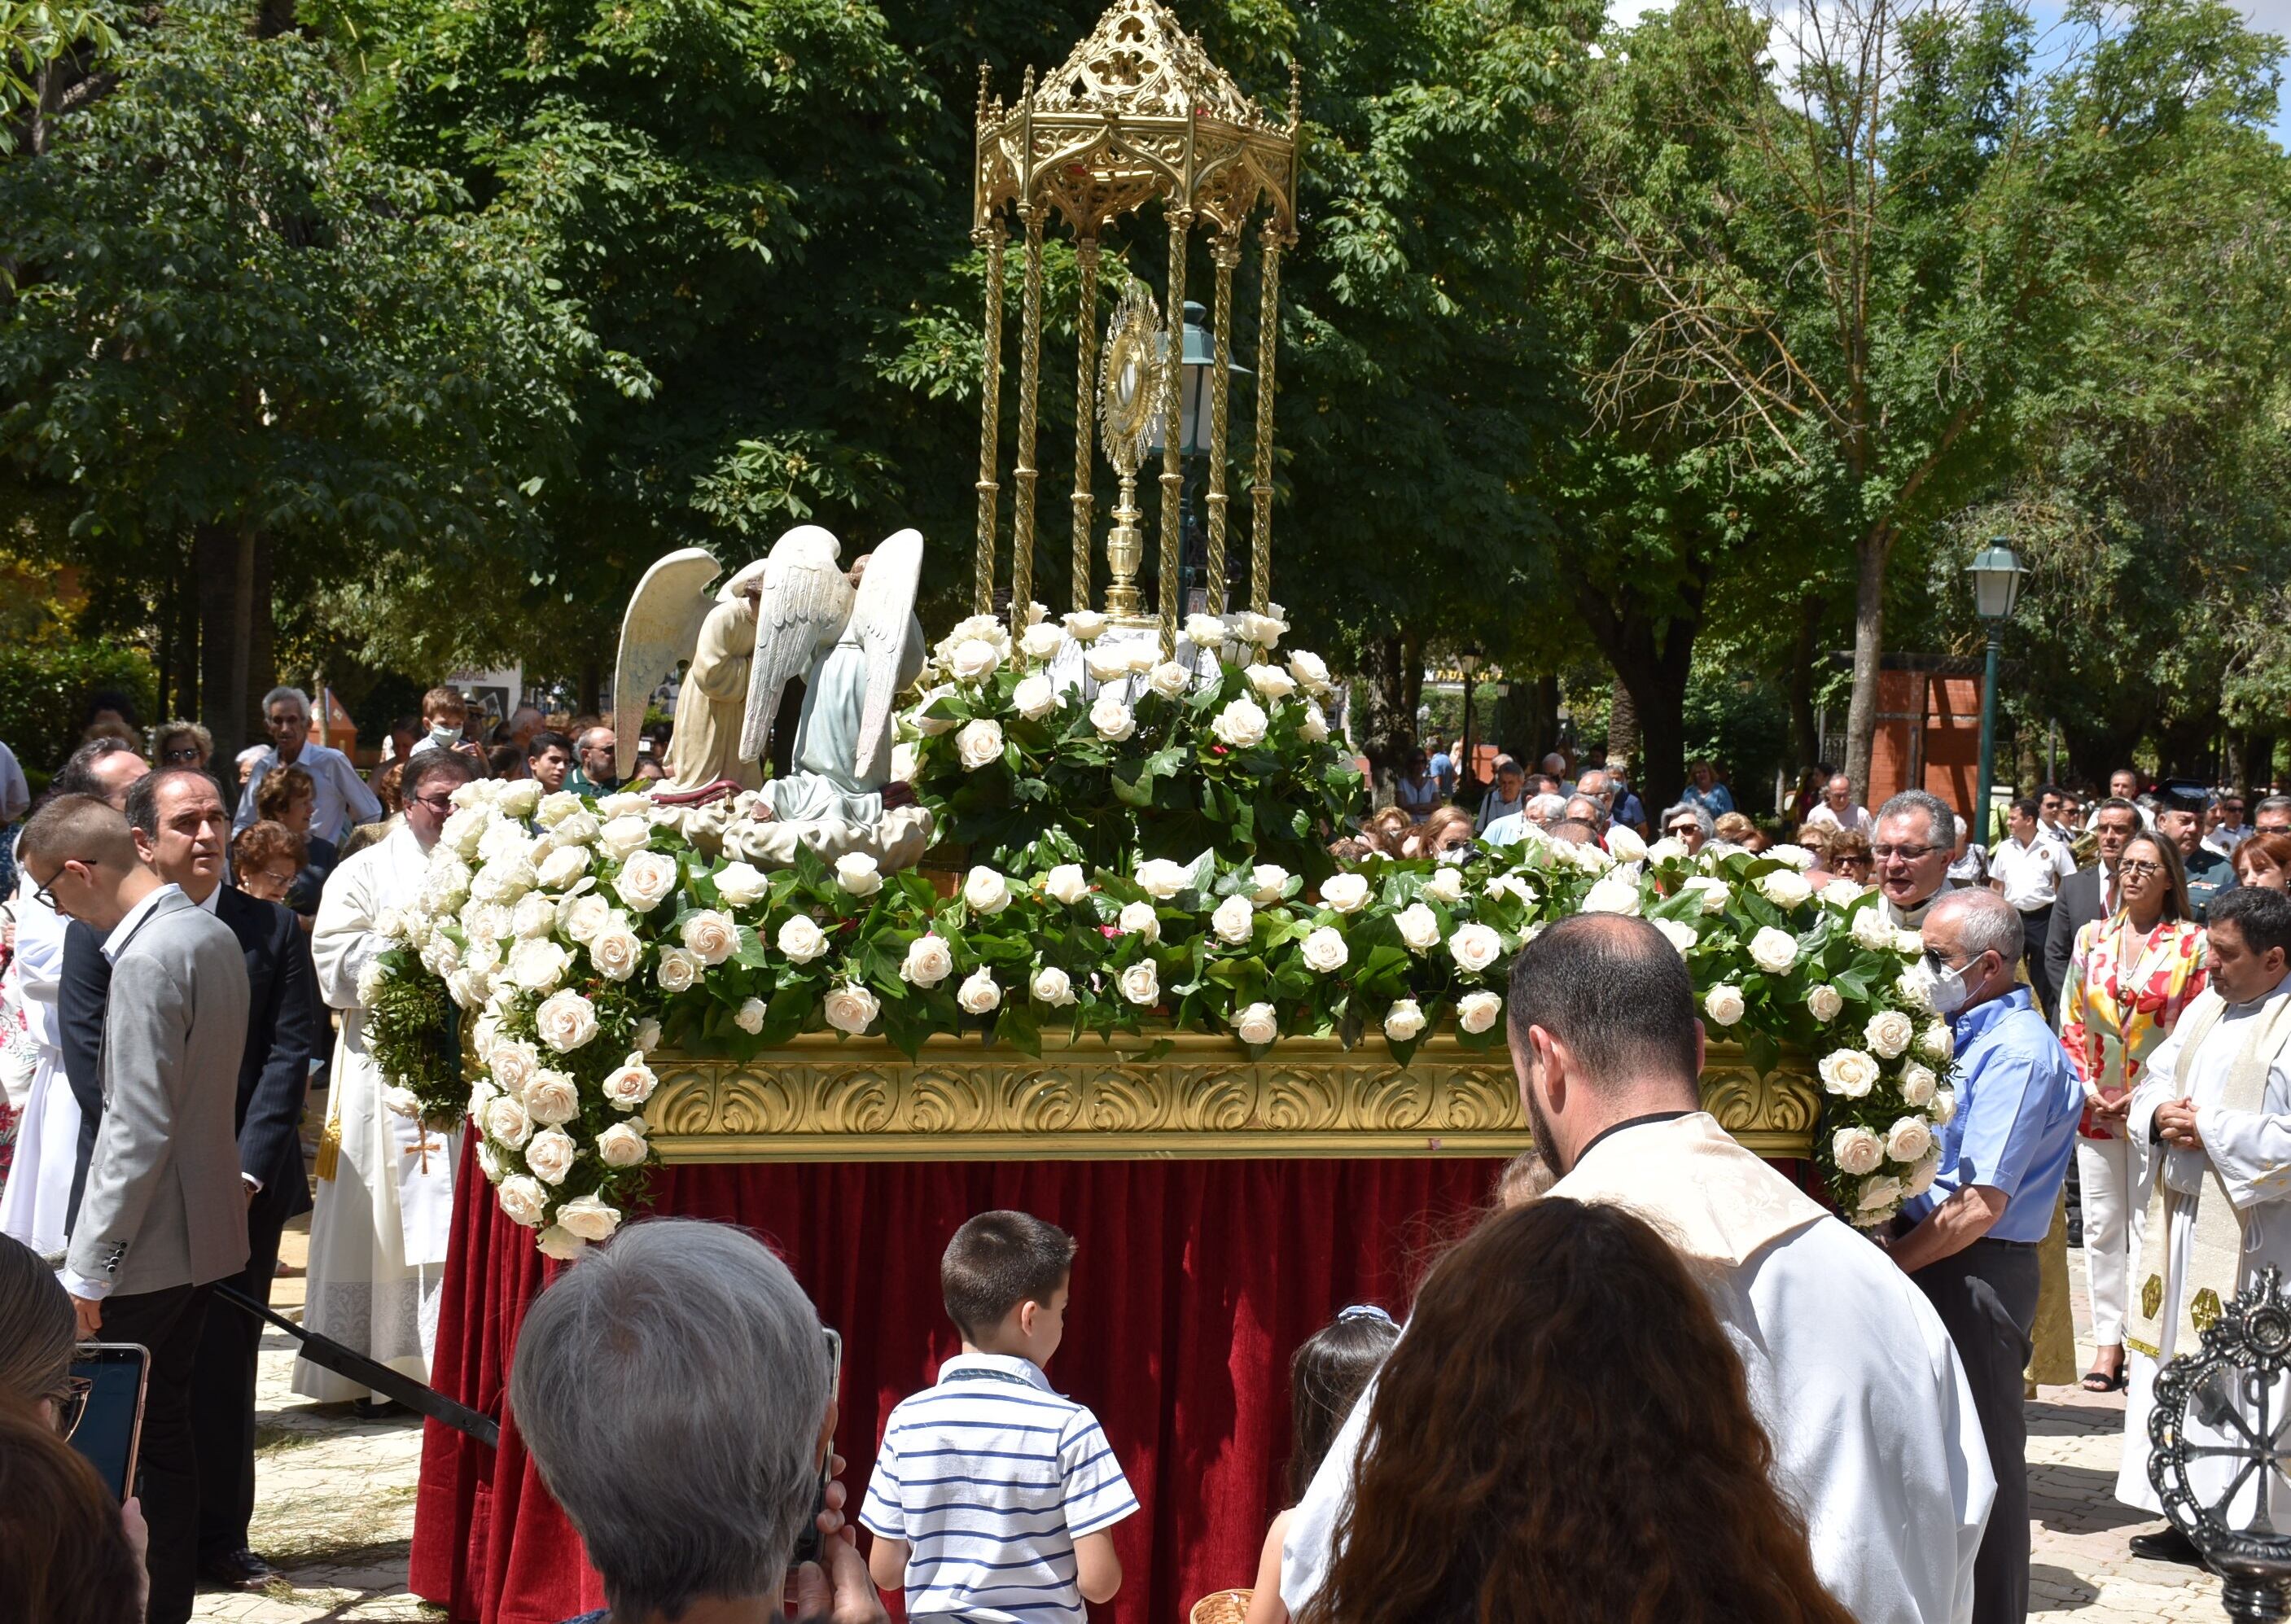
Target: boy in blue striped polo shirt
{"type": "Point", "coordinates": [992, 1495]}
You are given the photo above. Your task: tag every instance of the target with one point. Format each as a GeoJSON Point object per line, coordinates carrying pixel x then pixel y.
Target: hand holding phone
{"type": "Point", "coordinates": [105, 1420]}
{"type": "Point", "coordinates": [808, 1544]}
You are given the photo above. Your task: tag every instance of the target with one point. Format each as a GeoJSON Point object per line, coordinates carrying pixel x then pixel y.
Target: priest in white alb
{"type": "Point", "coordinates": [385, 1197]}
{"type": "Point", "coordinates": [1849, 1368]}
{"type": "Point", "coordinates": [2214, 1107]}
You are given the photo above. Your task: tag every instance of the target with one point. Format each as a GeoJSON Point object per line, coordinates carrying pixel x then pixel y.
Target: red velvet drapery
{"type": "Point", "coordinates": [1195, 1281]}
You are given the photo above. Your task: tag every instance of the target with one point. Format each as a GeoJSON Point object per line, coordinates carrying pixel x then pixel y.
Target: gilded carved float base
{"type": "Point", "coordinates": [1190, 1097]}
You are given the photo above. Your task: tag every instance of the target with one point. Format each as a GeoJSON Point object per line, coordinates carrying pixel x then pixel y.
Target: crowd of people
{"type": "Point", "coordinates": [1657, 1379]}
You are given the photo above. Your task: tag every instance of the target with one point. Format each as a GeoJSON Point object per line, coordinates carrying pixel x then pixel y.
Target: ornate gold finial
{"type": "Point", "coordinates": [1296, 95]}
{"type": "Point", "coordinates": [986, 76]}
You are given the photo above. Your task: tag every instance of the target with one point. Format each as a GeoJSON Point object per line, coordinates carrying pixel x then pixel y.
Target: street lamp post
{"type": "Point", "coordinates": [1197, 362]}
{"type": "Point", "coordinates": [1468, 662]}
{"type": "Point", "coordinates": [1996, 571]}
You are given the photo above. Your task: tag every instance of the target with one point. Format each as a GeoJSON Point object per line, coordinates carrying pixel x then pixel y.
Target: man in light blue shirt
{"type": "Point", "coordinates": [1970, 1241]}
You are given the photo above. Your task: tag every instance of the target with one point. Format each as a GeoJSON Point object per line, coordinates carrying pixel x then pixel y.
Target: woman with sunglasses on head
{"type": "Point", "coordinates": [2130, 975]}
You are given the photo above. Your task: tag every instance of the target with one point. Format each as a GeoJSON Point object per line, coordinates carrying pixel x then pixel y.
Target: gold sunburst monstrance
{"type": "Point", "coordinates": [1138, 113]}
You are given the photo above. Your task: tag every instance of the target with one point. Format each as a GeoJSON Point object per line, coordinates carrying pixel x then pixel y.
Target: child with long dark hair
{"type": "Point", "coordinates": [1564, 1436]}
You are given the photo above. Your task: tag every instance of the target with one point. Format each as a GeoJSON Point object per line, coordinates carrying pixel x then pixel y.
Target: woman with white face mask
{"type": "Point", "coordinates": [2129, 978]}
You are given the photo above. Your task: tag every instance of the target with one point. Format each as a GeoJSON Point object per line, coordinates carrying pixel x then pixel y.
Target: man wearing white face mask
{"type": "Point", "coordinates": [1970, 1241]}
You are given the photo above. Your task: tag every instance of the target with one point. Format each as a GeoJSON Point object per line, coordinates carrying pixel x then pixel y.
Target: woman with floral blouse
{"type": "Point", "coordinates": [2131, 974]}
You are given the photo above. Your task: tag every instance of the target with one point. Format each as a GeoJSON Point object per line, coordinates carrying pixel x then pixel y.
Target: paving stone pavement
{"type": "Point", "coordinates": [334, 1508]}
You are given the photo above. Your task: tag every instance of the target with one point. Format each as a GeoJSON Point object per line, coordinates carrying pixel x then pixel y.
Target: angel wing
{"type": "Point", "coordinates": [660, 628]}
{"type": "Point", "coordinates": [882, 614]}
{"type": "Point", "coordinates": [806, 600]}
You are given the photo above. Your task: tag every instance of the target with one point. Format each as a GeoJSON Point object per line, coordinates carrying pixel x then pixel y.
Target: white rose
{"type": "Point", "coordinates": [1314, 727]}
{"type": "Point", "coordinates": [504, 882]}
{"type": "Point", "coordinates": [614, 950]}
{"type": "Point", "coordinates": [1107, 663]}
{"type": "Point", "coordinates": [538, 966]}
{"type": "Point", "coordinates": [1723, 1003]}
{"type": "Point", "coordinates": [978, 744]}
{"type": "Point", "coordinates": [565, 1021]}
{"type": "Point", "coordinates": [1271, 681]}
{"type": "Point", "coordinates": [1848, 1072]}
{"type": "Point", "coordinates": [1405, 1020]}
{"type": "Point", "coordinates": [1445, 886]}
{"type": "Point", "coordinates": [1112, 718]}
{"type": "Point", "coordinates": [1680, 936]}
{"type": "Point", "coordinates": [1914, 987]}
{"type": "Point", "coordinates": [462, 830]}
{"type": "Point", "coordinates": [1512, 887]}
{"type": "Point", "coordinates": [523, 1201]}
{"type": "Point", "coordinates": [1909, 944]}
{"type": "Point", "coordinates": [906, 760]}
{"type": "Point", "coordinates": [1667, 849]}
{"type": "Point", "coordinates": [1889, 1033]}
{"type": "Point", "coordinates": [1617, 893]}
{"type": "Point", "coordinates": [1711, 890]}
{"type": "Point", "coordinates": [1936, 1043]}
{"type": "Point", "coordinates": [986, 891]}
{"type": "Point", "coordinates": [1824, 1002]}
{"type": "Point", "coordinates": [370, 977]}
{"type": "Point", "coordinates": [1624, 845]}
{"type": "Point", "coordinates": [1797, 857]}
{"type": "Point", "coordinates": [1917, 1085]}
{"type": "Point", "coordinates": [711, 936]}
{"type": "Point", "coordinates": [590, 1216]}
{"type": "Point", "coordinates": [489, 1160]}
{"type": "Point", "coordinates": [533, 916]}
{"type": "Point", "coordinates": [1141, 983]}
{"type": "Point", "coordinates": [851, 1008]}
{"type": "Point", "coordinates": [1474, 947]}
{"type": "Point", "coordinates": [1241, 724]}
{"type": "Point", "coordinates": [648, 1035]}
{"type": "Point", "coordinates": [979, 994]}
{"type": "Point", "coordinates": [1139, 657]}
{"type": "Point", "coordinates": [1475, 1012]}
{"type": "Point", "coordinates": [1270, 881]}
{"type": "Point", "coordinates": [929, 960]}
{"type": "Point", "coordinates": [559, 1242]}
{"type": "Point", "coordinates": [553, 1098]}
{"type": "Point", "coordinates": [1589, 859]}
{"type": "Point", "coordinates": [1139, 918]}
{"type": "Point", "coordinates": [1921, 1176]}
{"type": "Point", "coordinates": [1879, 1194]}
{"type": "Point", "coordinates": [1418, 927]}
{"type": "Point", "coordinates": [1041, 640]}
{"type": "Point", "coordinates": [1907, 1140]}
{"type": "Point", "coordinates": [391, 925]}
{"type": "Point", "coordinates": [1856, 1151]}
{"type": "Point", "coordinates": [1160, 879]}
{"type": "Point", "coordinates": [1034, 698]}
{"type": "Point", "coordinates": [739, 884]}
{"type": "Point", "coordinates": [507, 1120]}
{"type": "Point", "coordinates": [677, 970]}
{"type": "Point", "coordinates": [1345, 893]}
{"type": "Point", "coordinates": [1256, 1025]}
{"type": "Point", "coordinates": [630, 1084]}
{"type": "Point", "coordinates": [1066, 883]}
{"type": "Point", "coordinates": [1841, 893]}
{"type": "Point", "coordinates": [856, 872]}
{"type": "Point", "coordinates": [1785, 888]}
{"type": "Point", "coordinates": [1310, 671]}
{"type": "Point", "coordinates": [800, 940]}
{"type": "Point", "coordinates": [1773, 951]}
{"type": "Point", "coordinates": [1871, 930]}
{"type": "Point", "coordinates": [622, 836]}
{"type": "Point", "coordinates": [974, 659]}
{"type": "Point", "coordinates": [749, 1017]}
{"type": "Point", "coordinates": [1944, 1107]}
{"type": "Point", "coordinates": [513, 1065]}
{"type": "Point", "coordinates": [623, 1144]}
{"type": "Point", "coordinates": [1169, 679]}
{"type": "Point", "coordinates": [518, 797]}
{"type": "Point", "coordinates": [1325, 951]}
{"type": "Point", "coordinates": [644, 880]}
{"type": "Point", "coordinates": [580, 829]}
{"type": "Point", "coordinates": [1085, 626]}
{"type": "Point", "coordinates": [931, 726]}
{"type": "Point", "coordinates": [1204, 631]}
{"type": "Point", "coordinates": [556, 807]}
{"type": "Point", "coordinates": [1053, 986]}
{"type": "Point", "coordinates": [563, 867]}
{"type": "Point", "coordinates": [549, 1157]}
{"type": "Point", "coordinates": [1233, 920]}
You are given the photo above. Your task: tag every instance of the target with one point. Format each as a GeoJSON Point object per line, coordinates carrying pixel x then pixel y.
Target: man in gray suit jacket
{"type": "Point", "coordinates": [164, 1216]}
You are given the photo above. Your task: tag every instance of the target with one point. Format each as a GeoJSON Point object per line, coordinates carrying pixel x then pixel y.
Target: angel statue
{"type": "Point", "coordinates": [851, 636]}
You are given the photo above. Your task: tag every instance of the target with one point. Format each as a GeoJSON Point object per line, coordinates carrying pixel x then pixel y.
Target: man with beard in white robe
{"type": "Point", "coordinates": [2215, 1103]}
{"type": "Point", "coordinates": [380, 1228]}
{"type": "Point", "coordinates": [1849, 1368]}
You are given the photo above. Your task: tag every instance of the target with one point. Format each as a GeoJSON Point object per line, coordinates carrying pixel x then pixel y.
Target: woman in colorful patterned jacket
{"type": "Point", "coordinates": [2131, 974]}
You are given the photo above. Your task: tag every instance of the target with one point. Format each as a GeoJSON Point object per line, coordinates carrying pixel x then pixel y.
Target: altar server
{"type": "Point", "coordinates": [1849, 1368]}
{"type": "Point", "coordinates": [2214, 1107]}
{"type": "Point", "coordinates": [378, 1230]}
{"type": "Point", "coordinates": [36, 1196]}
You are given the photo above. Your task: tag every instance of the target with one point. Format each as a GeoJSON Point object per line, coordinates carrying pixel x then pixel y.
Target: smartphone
{"type": "Point", "coordinates": [108, 1384]}
{"type": "Point", "coordinates": [806, 1545]}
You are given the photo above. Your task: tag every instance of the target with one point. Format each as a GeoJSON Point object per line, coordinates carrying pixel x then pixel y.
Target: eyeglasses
{"type": "Point", "coordinates": [1907, 854]}
{"type": "Point", "coordinates": [189, 755]}
{"type": "Point", "coordinates": [2139, 871]}
{"type": "Point", "coordinates": [440, 804]}
{"type": "Point", "coordinates": [47, 898]}
{"type": "Point", "coordinates": [1684, 829]}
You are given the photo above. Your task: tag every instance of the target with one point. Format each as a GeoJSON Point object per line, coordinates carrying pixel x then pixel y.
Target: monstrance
{"type": "Point", "coordinates": [1128, 403]}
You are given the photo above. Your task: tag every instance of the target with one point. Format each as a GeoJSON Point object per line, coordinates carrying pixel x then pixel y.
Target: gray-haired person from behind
{"type": "Point", "coordinates": [673, 1388]}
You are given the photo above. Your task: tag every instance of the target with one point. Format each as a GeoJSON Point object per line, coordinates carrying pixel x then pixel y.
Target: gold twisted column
{"type": "Point", "coordinates": [1085, 413]}
{"type": "Point", "coordinates": [989, 413]}
{"type": "Point", "coordinates": [1261, 494]}
{"type": "Point", "coordinates": [1173, 466]}
{"type": "Point", "coordinates": [1226, 253]}
{"type": "Point", "coordinates": [1030, 379]}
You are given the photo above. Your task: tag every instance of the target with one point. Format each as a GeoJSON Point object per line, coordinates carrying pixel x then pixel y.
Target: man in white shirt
{"type": "Point", "coordinates": [1835, 809]}
{"type": "Point", "coordinates": [341, 796]}
{"type": "Point", "coordinates": [2227, 829]}
{"type": "Point", "coordinates": [2053, 808]}
{"type": "Point", "coordinates": [1849, 1367]}
{"type": "Point", "coordinates": [2026, 869]}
